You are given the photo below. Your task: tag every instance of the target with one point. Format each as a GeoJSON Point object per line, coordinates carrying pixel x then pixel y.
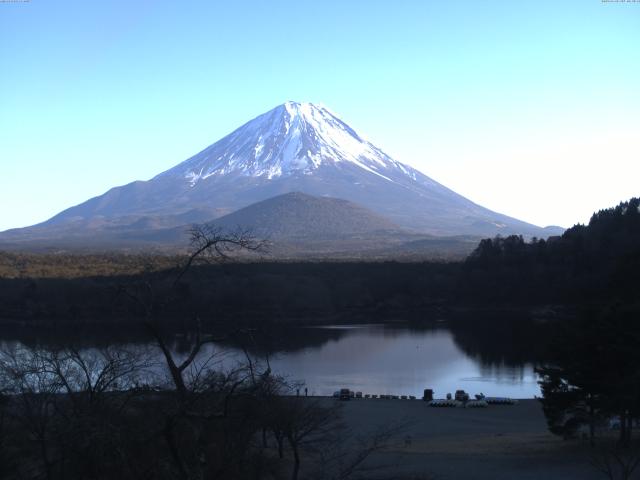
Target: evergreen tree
{"type": "Point", "coordinates": [594, 373]}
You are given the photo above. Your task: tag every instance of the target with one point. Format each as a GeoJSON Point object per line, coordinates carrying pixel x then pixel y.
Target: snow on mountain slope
{"type": "Point", "coordinates": [291, 138]}
{"type": "Point", "coordinates": [295, 147]}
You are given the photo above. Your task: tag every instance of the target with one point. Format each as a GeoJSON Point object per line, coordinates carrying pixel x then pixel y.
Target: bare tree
{"type": "Point", "coordinates": [36, 395]}
{"type": "Point", "coordinates": [307, 426]}
{"type": "Point", "coordinates": [5, 462]}
{"type": "Point", "coordinates": [191, 377]}
{"type": "Point", "coordinates": [212, 243]}
{"type": "Point", "coordinates": [69, 402]}
{"type": "Point", "coordinates": [347, 457]}
{"type": "Point", "coordinates": [616, 462]}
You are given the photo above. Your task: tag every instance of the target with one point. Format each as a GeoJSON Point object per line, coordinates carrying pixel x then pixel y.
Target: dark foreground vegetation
{"type": "Point", "coordinates": [69, 416]}
{"type": "Point", "coordinates": [113, 413]}
{"type": "Point", "coordinates": [591, 372]}
{"type": "Point", "coordinates": [105, 414]}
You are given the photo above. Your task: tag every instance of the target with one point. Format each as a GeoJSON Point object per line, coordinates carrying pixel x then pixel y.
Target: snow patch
{"type": "Point", "coordinates": [294, 137]}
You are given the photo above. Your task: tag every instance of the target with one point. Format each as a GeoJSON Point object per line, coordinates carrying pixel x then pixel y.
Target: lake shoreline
{"type": "Point", "coordinates": [462, 314]}
{"type": "Point", "coordinates": [375, 359]}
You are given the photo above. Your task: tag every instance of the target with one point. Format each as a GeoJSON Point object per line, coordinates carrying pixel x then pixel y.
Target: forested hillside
{"type": "Point", "coordinates": [588, 263]}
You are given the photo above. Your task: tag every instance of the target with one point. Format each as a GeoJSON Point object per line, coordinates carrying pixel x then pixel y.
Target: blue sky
{"type": "Point", "coordinates": [531, 108]}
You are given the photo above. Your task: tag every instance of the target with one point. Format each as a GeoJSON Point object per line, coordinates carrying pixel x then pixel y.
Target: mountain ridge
{"type": "Point", "coordinates": [294, 147]}
{"type": "Point", "coordinates": [298, 215]}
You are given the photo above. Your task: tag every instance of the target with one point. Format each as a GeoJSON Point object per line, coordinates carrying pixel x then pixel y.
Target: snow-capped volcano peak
{"type": "Point", "coordinates": [296, 147]}
{"type": "Point", "coordinates": [293, 138]}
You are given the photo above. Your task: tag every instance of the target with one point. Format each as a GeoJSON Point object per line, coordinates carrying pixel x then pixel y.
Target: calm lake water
{"type": "Point", "coordinates": [400, 361]}
{"type": "Point", "coordinates": [379, 359]}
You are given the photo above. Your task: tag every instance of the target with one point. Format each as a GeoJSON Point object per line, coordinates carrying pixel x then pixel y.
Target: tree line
{"type": "Point", "coordinates": [594, 263]}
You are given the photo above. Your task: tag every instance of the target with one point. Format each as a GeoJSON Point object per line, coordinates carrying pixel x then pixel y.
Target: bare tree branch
{"type": "Point", "coordinates": [212, 242]}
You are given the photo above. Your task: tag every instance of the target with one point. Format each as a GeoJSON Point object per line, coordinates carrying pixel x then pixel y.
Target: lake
{"type": "Point", "coordinates": [390, 359]}
{"type": "Point", "coordinates": [378, 359]}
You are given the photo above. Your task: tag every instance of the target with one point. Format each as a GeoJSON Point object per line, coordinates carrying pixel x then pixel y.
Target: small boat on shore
{"type": "Point", "coordinates": [500, 400]}
{"type": "Point", "coordinates": [444, 402]}
{"type": "Point", "coordinates": [476, 404]}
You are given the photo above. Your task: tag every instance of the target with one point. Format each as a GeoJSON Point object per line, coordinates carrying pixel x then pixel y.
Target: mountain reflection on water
{"type": "Point", "coordinates": [378, 359]}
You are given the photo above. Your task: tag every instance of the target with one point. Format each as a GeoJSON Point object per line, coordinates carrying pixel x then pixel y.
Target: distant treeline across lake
{"type": "Point", "coordinates": [589, 267]}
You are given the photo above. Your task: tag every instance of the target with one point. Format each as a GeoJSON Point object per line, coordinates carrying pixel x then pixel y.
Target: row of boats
{"type": "Point", "coordinates": [346, 394]}
{"type": "Point", "coordinates": [475, 403]}
{"type": "Point", "coordinates": [461, 398]}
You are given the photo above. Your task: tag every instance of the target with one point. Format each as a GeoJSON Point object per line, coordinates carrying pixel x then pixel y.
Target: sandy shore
{"type": "Point", "coordinates": [498, 442]}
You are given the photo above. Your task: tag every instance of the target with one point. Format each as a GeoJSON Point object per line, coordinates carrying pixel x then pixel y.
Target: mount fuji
{"type": "Point", "coordinates": [296, 147]}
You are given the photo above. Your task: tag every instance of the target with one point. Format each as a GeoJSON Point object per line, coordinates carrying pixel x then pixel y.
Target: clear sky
{"type": "Point", "coordinates": [530, 108]}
